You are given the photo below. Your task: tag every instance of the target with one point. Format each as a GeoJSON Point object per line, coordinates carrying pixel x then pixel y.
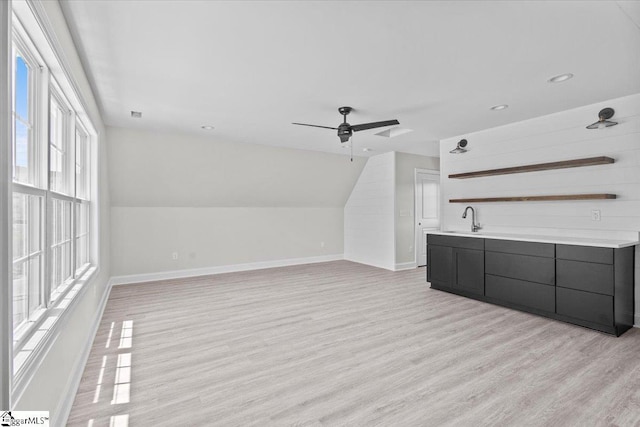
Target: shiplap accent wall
{"type": "Point", "coordinates": [556, 137]}
{"type": "Point", "coordinates": [369, 219]}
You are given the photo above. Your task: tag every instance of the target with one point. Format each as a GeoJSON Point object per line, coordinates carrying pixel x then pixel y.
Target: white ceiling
{"type": "Point", "coordinates": [252, 68]}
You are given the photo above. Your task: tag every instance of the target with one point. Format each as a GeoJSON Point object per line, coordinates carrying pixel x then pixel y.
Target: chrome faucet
{"type": "Point", "coordinates": [474, 227]}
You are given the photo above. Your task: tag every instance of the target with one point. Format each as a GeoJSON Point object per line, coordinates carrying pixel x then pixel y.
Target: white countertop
{"type": "Point", "coordinates": [581, 241]}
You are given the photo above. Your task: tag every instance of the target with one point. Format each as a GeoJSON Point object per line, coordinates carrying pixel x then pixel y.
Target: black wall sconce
{"type": "Point", "coordinates": [603, 119]}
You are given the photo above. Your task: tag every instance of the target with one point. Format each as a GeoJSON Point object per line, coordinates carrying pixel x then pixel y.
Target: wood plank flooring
{"type": "Point", "coordinates": [344, 344]}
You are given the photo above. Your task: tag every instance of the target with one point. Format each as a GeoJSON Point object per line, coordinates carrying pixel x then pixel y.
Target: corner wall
{"type": "Point", "coordinates": [556, 137]}
{"type": "Point", "coordinates": [369, 222]}
{"type": "Point", "coordinates": [379, 217]}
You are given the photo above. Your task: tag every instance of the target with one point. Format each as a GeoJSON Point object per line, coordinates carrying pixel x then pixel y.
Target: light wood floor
{"type": "Point", "coordinates": [344, 344]}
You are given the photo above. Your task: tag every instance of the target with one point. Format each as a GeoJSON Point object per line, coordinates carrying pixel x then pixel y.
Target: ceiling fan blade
{"type": "Point", "coordinates": [315, 126]}
{"type": "Point", "coordinates": [374, 125]}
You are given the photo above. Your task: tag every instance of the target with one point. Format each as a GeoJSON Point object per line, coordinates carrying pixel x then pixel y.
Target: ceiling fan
{"type": "Point", "coordinates": [345, 130]}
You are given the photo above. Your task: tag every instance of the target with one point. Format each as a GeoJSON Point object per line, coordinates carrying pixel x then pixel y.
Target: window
{"type": "Point", "coordinates": [24, 147]}
{"type": "Point", "coordinates": [82, 164]}
{"type": "Point", "coordinates": [27, 258]}
{"type": "Point", "coordinates": [28, 201]}
{"type": "Point", "coordinates": [52, 205]}
{"type": "Point", "coordinates": [60, 256]}
{"type": "Point", "coordinates": [59, 146]}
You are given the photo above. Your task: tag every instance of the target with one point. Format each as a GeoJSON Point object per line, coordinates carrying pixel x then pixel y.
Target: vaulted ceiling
{"type": "Point", "coordinates": [251, 68]}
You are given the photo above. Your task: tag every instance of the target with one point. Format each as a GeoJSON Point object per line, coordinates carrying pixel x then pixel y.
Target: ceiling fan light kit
{"type": "Point", "coordinates": [345, 130]}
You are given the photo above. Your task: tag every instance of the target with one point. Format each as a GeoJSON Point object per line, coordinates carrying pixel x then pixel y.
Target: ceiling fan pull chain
{"type": "Point", "coordinates": [352, 149]}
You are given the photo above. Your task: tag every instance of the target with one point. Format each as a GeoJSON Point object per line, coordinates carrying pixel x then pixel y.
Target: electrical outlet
{"type": "Point", "coordinates": [595, 215]}
{"type": "Point", "coordinates": [174, 255]}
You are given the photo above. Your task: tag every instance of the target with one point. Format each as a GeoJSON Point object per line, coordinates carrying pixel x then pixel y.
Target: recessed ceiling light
{"type": "Point", "coordinates": [207, 127]}
{"type": "Point", "coordinates": [499, 107]}
{"type": "Point", "coordinates": [136, 114]}
{"type": "Point", "coordinates": [366, 149]}
{"type": "Point", "coordinates": [560, 78]}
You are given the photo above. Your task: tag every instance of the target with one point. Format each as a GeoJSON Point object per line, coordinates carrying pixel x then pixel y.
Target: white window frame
{"type": "Point", "coordinates": [31, 320]}
{"type": "Point", "coordinates": [37, 163]}
{"type": "Point", "coordinates": [28, 19]}
{"type": "Point", "coordinates": [38, 92]}
{"type": "Point", "coordinates": [6, 300]}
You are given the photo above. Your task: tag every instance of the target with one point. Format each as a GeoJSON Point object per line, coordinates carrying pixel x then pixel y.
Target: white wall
{"type": "Point", "coordinates": [218, 203]}
{"type": "Point", "coordinates": [144, 238]}
{"type": "Point", "coordinates": [52, 387]}
{"type": "Point", "coordinates": [405, 230]}
{"type": "Point", "coordinates": [560, 136]}
{"type": "Point", "coordinates": [369, 220]}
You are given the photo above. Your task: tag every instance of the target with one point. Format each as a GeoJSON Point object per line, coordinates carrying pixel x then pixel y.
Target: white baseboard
{"type": "Point", "coordinates": [405, 266]}
{"type": "Point", "coordinates": [177, 274]}
{"type": "Point", "coordinates": [61, 414]}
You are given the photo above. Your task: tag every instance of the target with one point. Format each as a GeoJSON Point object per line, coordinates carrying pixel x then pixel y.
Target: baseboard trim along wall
{"type": "Point", "coordinates": [637, 322]}
{"type": "Point", "coordinates": [405, 266]}
{"type": "Point", "coordinates": [178, 274]}
{"type": "Point", "coordinates": [60, 416]}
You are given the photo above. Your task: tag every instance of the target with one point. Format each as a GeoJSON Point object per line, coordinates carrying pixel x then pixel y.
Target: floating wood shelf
{"type": "Point", "coordinates": [536, 198]}
{"type": "Point", "coordinates": [602, 160]}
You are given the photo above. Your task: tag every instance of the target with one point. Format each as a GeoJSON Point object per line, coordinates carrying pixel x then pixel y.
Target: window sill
{"type": "Point", "coordinates": [29, 355]}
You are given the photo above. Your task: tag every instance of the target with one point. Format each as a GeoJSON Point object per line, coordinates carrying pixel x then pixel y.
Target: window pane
{"type": "Point", "coordinates": [59, 168]}
{"type": "Point", "coordinates": [81, 165]}
{"type": "Point", "coordinates": [35, 284]}
{"type": "Point", "coordinates": [22, 88]}
{"type": "Point", "coordinates": [61, 245]}
{"type": "Point", "coordinates": [20, 301]}
{"type": "Point", "coordinates": [82, 238]}
{"type": "Point", "coordinates": [27, 244]}
{"type": "Point", "coordinates": [20, 224]}
{"type": "Point", "coordinates": [22, 151]}
{"type": "Point", "coordinates": [35, 224]}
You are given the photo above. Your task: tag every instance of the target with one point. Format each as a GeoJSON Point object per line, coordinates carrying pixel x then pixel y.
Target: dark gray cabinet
{"type": "Point", "coordinates": [439, 265]}
{"type": "Point", "coordinates": [587, 286]}
{"type": "Point", "coordinates": [595, 287]}
{"type": "Point", "coordinates": [521, 275]}
{"type": "Point", "coordinates": [468, 270]}
{"type": "Point", "coordinates": [456, 263]}
{"type": "Point", "coordinates": [521, 293]}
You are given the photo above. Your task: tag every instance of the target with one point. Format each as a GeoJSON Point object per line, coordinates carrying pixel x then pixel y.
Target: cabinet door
{"type": "Point", "coordinates": [439, 265]}
{"type": "Point", "coordinates": [468, 270]}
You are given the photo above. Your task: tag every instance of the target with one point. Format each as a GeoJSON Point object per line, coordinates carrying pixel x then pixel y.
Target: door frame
{"type": "Point", "coordinates": [416, 240]}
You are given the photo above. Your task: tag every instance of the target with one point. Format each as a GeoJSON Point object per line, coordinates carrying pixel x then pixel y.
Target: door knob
{"type": "Point", "coordinates": [419, 223]}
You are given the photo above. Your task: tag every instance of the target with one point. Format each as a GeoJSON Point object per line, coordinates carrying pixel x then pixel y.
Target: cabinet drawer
{"type": "Point", "coordinates": [456, 241]}
{"type": "Point", "coordinates": [520, 292]}
{"type": "Point", "coordinates": [585, 276]}
{"type": "Point", "coordinates": [522, 248]}
{"type": "Point", "coordinates": [523, 267]}
{"type": "Point", "coordinates": [585, 253]}
{"type": "Point", "coordinates": [585, 306]}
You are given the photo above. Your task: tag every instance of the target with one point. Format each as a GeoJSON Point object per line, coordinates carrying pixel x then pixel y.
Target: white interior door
{"type": "Point", "coordinates": [427, 215]}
